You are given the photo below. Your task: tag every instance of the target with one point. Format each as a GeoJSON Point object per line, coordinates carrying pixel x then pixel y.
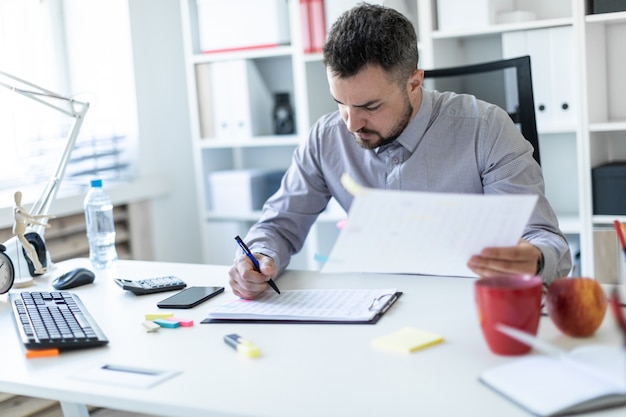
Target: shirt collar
{"type": "Point", "coordinates": [415, 130]}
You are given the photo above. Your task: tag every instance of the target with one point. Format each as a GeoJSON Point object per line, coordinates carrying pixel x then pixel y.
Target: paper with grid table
{"type": "Point", "coordinates": [409, 232]}
{"type": "Point", "coordinates": [364, 306]}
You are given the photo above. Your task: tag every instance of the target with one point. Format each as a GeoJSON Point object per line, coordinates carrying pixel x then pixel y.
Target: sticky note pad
{"type": "Point", "coordinates": [151, 326]}
{"type": "Point", "coordinates": [154, 316]}
{"type": "Point", "coordinates": [182, 322]}
{"type": "Point", "coordinates": [407, 340]}
{"type": "Point", "coordinates": [167, 323]}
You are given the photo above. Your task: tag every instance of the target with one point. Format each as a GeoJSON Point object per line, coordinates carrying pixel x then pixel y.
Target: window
{"type": "Point", "coordinates": [79, 49]}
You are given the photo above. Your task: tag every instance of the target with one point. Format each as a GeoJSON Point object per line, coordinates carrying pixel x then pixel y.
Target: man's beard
{"type": "Point", "coordinates": [396, 131]}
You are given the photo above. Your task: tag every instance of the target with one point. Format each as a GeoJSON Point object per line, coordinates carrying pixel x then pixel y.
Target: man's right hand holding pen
{"type": "Point", "coordinates": [248, 280]}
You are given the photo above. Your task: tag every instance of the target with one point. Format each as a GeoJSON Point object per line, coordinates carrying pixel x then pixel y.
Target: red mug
{"type": "Point", "coordinates": [514, 301]}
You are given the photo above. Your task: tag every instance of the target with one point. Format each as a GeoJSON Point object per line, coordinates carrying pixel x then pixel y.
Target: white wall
{"type": "Point", "coordinates": [164, 132]}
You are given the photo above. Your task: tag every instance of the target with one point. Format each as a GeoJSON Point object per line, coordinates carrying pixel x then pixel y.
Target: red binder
{"type": "Point", "coordinates": [318, 25]}
{"type": "Point", "coordinates": [313, 25]}
{"type": "Point", "coordinates": [306, 26]}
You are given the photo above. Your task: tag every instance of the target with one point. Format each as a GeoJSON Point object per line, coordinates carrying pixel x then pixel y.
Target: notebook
{"type": "Point", "coordinates": [355, 306]}
{"type": "Point", "coordinates": [587, 378]}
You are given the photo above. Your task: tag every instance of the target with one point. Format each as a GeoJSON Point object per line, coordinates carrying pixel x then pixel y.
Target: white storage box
{"type": "Point", "coordinates": [225, 25]}
{"type": "Point", "coordinates": [462, 14]}
{"type": "Point", "coordinates": [242, 191]}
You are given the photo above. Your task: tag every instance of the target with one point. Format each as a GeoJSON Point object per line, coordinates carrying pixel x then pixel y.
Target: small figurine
{"type": "Point", "coordinates": [22, 220]}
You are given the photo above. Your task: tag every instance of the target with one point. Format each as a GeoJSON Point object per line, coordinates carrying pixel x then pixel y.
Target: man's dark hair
{"type": "Point", "coordinates": [371, 34]}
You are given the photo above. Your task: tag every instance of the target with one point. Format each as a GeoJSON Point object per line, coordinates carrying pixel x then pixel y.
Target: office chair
{"type": "Point", "coordinates": [506, 83]}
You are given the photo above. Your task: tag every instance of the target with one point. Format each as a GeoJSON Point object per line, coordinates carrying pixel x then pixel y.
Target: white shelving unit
{"type": "Point", "coordinates": [284, 68]}
{"type": "Point", "coordinates": [578, 63]}
{"type": "Point", "coordinates": [577, 81]}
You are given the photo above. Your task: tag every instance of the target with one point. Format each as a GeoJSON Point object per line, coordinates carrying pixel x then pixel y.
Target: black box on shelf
{"type": "Point", "coordinates": [608, 6]}
{"type": "Point", "coordinates": [609, 188]}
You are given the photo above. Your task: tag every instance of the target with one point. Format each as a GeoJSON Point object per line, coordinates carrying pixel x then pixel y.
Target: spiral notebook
{"type": "Point", "coordinates": [353, 306]}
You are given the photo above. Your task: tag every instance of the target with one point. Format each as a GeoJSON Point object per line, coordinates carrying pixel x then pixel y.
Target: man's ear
{"type": "Point", "coordinates": [415, 80]}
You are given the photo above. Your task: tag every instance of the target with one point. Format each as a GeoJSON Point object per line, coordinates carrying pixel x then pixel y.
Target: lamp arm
{"type": "Point", "coordinates": [68, 106]}
{"type": "Point", "coordinates": [42, 205]}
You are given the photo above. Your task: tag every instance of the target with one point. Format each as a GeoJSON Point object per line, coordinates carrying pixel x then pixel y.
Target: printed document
{"type": "Point", "coordinates": [425, 233]}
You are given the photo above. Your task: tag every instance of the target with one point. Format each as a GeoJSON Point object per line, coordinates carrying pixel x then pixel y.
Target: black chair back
{"type": "Point", "coordinates": [506, 83]}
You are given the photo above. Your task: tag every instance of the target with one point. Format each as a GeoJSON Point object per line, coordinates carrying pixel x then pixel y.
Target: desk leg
{"type": "Point", "coordinates": [74, 409]}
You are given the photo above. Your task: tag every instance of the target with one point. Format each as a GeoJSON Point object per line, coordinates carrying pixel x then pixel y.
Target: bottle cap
{"type": "Point", "coordinates": [96, 183]}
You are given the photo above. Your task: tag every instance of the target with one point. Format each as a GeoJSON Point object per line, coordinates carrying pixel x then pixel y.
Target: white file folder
{"type": "Point", "coordinates": [241, 102]}
{"type": "Point", "coordinates": [552, 59]}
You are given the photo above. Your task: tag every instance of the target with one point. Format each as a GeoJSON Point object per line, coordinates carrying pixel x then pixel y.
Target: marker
{"type": "Point", "coordinates": [243, 346]}
{"type": "Point", "coordinates": [255, 263]}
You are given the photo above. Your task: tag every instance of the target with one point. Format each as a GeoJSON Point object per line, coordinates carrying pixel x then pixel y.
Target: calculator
{"type": "Point", "coordinates": [151, 285]}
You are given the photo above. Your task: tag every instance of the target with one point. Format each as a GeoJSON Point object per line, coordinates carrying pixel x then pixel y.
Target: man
{"type": "Point", "coordinates": [391, 133]}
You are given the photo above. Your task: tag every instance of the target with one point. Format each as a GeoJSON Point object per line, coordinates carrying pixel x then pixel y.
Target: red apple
{"type": "Point", "coordinates": [576, 305]}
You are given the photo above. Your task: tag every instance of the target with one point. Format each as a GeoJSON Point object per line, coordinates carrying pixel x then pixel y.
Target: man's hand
{"type": "Point", "coordinates": [245, 281]}
{"type": "Point", "coordinates": [514, 260]}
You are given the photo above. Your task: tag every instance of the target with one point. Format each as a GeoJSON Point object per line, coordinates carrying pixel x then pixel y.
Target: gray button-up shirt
{"type": "Point", "coordinates": [455, 143]}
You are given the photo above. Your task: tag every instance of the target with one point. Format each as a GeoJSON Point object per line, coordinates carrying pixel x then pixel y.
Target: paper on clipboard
{"type": "Point", "coordinates": [425, 233]}
{"type": "Point", "coordinates": [355, 306]}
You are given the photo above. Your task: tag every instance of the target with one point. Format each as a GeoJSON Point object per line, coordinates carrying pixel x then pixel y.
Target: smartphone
{"type": "Point", "coordinates": [190, 297]}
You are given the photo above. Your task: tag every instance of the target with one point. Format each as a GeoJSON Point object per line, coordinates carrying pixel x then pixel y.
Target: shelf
{"type": "Point", "coordinates": [569, 224]}
{"type": "Point", "coordinates": [502, 28]}
{"type": "Point", "coordinates": [274, 140]}
{"type": "Point", "coordinates": [616, 17]}
{"type": "Point", "coordinates": [253, 216]}
{"type": "Point", "coordinates": [607, 220]}
{"type": "Point", "coordinates": [243, 54]}
{"type": "Point", "coordinates": [69, 200]}
{"type": "Point", "coordinates": [608, 127]}
{"type": "Point", "coordinates": [557, 130]}
{"type": "Point", "coordinates": [313, 57]}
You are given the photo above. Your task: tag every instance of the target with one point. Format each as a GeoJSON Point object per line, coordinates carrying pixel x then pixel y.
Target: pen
{"type": "Point", "coordinates": [255, 263]}
{"type": "Point", "coordinates": [241, 345]}
{"type": "Point", "coordinates": [531, 340]}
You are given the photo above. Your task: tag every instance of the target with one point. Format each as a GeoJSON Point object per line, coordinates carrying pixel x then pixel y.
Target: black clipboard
{"type": "Point", "coordinates": [380, 310]}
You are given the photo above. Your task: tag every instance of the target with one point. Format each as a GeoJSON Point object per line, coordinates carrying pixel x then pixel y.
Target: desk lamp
{"type": "Point", "coordinates": [25, 269]}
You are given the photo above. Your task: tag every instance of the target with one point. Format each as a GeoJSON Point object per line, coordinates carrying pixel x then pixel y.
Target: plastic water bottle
{"type": "Point", "coordinates": [100, 226]}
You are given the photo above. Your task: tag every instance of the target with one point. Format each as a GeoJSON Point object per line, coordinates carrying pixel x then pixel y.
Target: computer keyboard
{"type": "Point", "coordinates": [47, 320]}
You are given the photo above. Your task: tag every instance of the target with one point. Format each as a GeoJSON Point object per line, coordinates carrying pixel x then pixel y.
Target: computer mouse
{"type": "Point", "coordinates": [74, 278]}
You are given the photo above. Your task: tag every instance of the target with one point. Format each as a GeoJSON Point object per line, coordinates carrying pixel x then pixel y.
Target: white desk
{"type": "Point", "coordinates": [305, 370]}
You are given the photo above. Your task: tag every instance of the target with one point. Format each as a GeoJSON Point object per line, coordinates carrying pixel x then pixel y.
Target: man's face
{"type": "Point", "coordinates": [375, 109]}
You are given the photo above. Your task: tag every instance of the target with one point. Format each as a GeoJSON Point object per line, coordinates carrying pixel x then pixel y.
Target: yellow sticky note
{"type": "Point", "coordinates": [407, 340]}
{"type": "Point", "coordinates": [155, 316]}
